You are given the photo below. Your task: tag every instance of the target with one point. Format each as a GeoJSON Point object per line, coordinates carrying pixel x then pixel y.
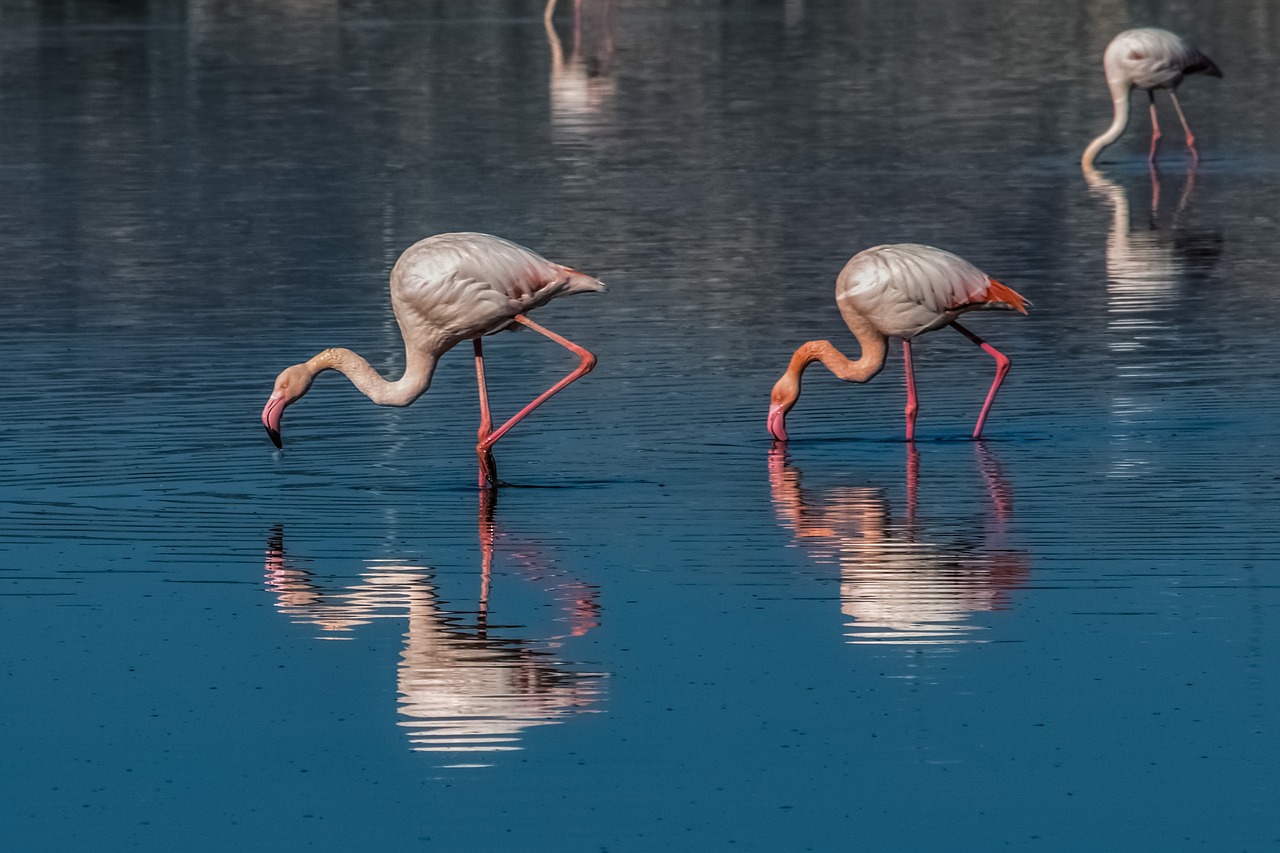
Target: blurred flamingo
{"type": "Point", "coordinates": [444, 290]}
{"type": "Point", "coordinates": [1147, 58]}
{"type": "Point", "coordinates": [582, 80]}
{"type": "Point", "coordinates": [899, 290]}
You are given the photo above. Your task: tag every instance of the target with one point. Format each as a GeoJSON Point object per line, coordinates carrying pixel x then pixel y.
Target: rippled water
{"type": "Point", "coordinates": [666, 632]}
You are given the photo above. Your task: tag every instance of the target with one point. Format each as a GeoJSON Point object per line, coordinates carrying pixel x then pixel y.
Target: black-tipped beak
{"type": "Point", "coordinates": [777, 422]}
{"type": "Point", "coordinates": [271, 418]}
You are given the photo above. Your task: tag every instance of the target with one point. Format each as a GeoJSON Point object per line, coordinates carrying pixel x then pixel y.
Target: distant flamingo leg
{"type": "Point", "coordinates": [1002, 370]}
{"type": "Point", "coordinates": [1155, 127]}
{"type": "Point", "coordinates": [488, 466]}
{"type": "Point", "coordinates": [588, 362]}
{"type": "Point", "coordinates": [1191, 140]}
{"type": "Point", "coordinates": [912, 405]}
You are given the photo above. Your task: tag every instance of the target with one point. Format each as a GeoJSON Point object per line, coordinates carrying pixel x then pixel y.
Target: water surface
{"type": "Point", "coordinates": [668, 633]}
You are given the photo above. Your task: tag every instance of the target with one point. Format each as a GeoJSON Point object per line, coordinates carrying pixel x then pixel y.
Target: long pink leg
{"type": "Point", "coordinates": [1002, 370]}
{"type": "Point", "coordinates": [1191, 140]}
{"type": "Point", "coordinates": [912, 405]}
{"type": "Point", "coordinates": [1155, 127]}
{"type": "Point", "coordinates": [488, 467]}
{"type": "Point", "coordinates": [588, 362]}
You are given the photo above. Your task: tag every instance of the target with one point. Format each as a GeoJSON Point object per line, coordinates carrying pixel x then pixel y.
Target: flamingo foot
{"type": "Point", "coordinates": [488, 468]}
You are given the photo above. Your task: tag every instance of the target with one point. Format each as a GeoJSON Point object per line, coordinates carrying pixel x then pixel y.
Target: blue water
{"type": "Point", "coordinates": [666, 633]}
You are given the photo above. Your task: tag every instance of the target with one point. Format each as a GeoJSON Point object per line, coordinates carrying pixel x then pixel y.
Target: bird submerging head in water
{"type": "Point", "coordinates": [444, 290]}
{"type": "Point", "coordinates": [900, 290]}
{"type": "Point", "coordinates": [1150, 59]}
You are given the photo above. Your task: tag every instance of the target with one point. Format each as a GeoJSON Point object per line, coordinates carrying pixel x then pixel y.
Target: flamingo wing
{"type": "Point", "coordinates": [1153, 58]}
{"type": "Point", "coordinates": [907, 289]}
{"type": "Point", "coordinates": [470, 284]}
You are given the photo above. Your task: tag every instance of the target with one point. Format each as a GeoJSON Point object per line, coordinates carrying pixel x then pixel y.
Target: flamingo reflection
{"type": "Point", "coordinates": [1145, 266]}
{"type": "Point", "coordinates": [463, 685]}
{"type": "Point", "coordinates": [1148, 270]}
{"type": "Point", "coordinates": [898, 584]}
{"type": "Point", "coordinates": [582, 82]}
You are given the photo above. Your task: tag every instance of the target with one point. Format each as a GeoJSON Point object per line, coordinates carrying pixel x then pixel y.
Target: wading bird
{"type": "Point", "coordinates": [899, 290]}
{"type": "Point", "coordinates": [444, 290]}
{"type": "Point", "coordinates": [1150, 59]}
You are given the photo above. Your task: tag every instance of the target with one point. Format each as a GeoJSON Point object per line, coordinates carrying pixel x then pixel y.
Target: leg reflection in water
{"type": "Point", "coordinates": [902, 580]}
{"type": "Point", "coordinates": [464, 686]}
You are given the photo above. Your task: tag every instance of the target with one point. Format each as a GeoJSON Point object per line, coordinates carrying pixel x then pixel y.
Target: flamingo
{"type": "Point", "coordinates": [899, 290]}
{"type": "Point", "coordinates": [1147, 58]}
{"type": "Point", "coordinates": [444, 290]}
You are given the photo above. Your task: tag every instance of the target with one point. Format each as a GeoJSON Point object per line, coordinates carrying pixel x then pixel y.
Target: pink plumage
{"type": "Point", "coordinates": [906, 289]}
{"type": "Point", "coordinates": [1147, 58]}
{"type": "Point", "coordinates": [899, 290]}
{"type": "Point", "coordinates": [444, 290]}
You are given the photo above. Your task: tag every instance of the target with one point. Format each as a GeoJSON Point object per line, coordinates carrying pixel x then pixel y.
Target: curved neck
{"type": "Point", "coordinates": [1120, 120]}
{"type": "Point", "coordinates": [867, 366]}
{"type": "Point", "coordinates": [419, 367]}
{"type": "Point", "coordinates": [869, 363]}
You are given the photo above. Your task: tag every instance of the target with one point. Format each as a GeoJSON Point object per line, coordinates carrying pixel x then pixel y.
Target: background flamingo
{"type": "Point", "coordinates": [899, 290]}
{"type": "Point", "coordinates": [444, 290]}
{"type": "Point", "coordinates": [1147, 58]}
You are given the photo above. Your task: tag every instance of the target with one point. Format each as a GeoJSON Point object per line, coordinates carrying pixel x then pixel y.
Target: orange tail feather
{"type": "Point", "coordinates": [997, 292]}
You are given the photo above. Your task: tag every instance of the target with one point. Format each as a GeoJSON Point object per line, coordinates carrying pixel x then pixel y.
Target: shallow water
{"type": "Point", "coordinates": [666, 632]}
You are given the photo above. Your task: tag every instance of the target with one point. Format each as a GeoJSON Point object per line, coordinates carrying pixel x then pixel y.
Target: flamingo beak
{"type": "Point", "coordinates": [271, 418]}
{"type": "Point", "coordinates": [777, 421]}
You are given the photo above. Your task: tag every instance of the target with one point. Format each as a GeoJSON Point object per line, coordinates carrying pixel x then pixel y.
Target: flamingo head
{"type": "Point", "coordinates": [290, 385]}
{"type": "Point", "coordinates": [785, 393]}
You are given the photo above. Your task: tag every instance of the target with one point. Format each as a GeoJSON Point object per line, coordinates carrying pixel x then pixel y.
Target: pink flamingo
{"type": "Point", "coordinates": [444, 290]}
{"type": "Point", "coordinates": [1147, 58]}
{"type": "Point", "coordinates": [899, 290]}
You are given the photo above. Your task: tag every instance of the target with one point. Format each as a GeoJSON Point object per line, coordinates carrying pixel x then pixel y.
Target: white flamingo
{"type": "Point", "coordinates": [1147, 58]}
{"type": "Point", "coordinates": [444, 290]}
{"type": "Point", "coordinates": [899, 290]}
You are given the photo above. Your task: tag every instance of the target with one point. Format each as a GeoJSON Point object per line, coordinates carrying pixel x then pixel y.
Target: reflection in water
{"type": "Point", "coordinates": [900, 583]}
{"type": "Point", "coordinates": [463, 687]}
{"type": "Point", "coordinates": [1148, 270]}
{"type": "Point", "coordinates": [1144, 267]}
{"type": "Point", "coordinates": [582, 82]}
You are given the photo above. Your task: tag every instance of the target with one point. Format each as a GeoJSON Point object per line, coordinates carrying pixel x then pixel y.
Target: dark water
{"type": "Point", "coordinates": [669, 635]}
